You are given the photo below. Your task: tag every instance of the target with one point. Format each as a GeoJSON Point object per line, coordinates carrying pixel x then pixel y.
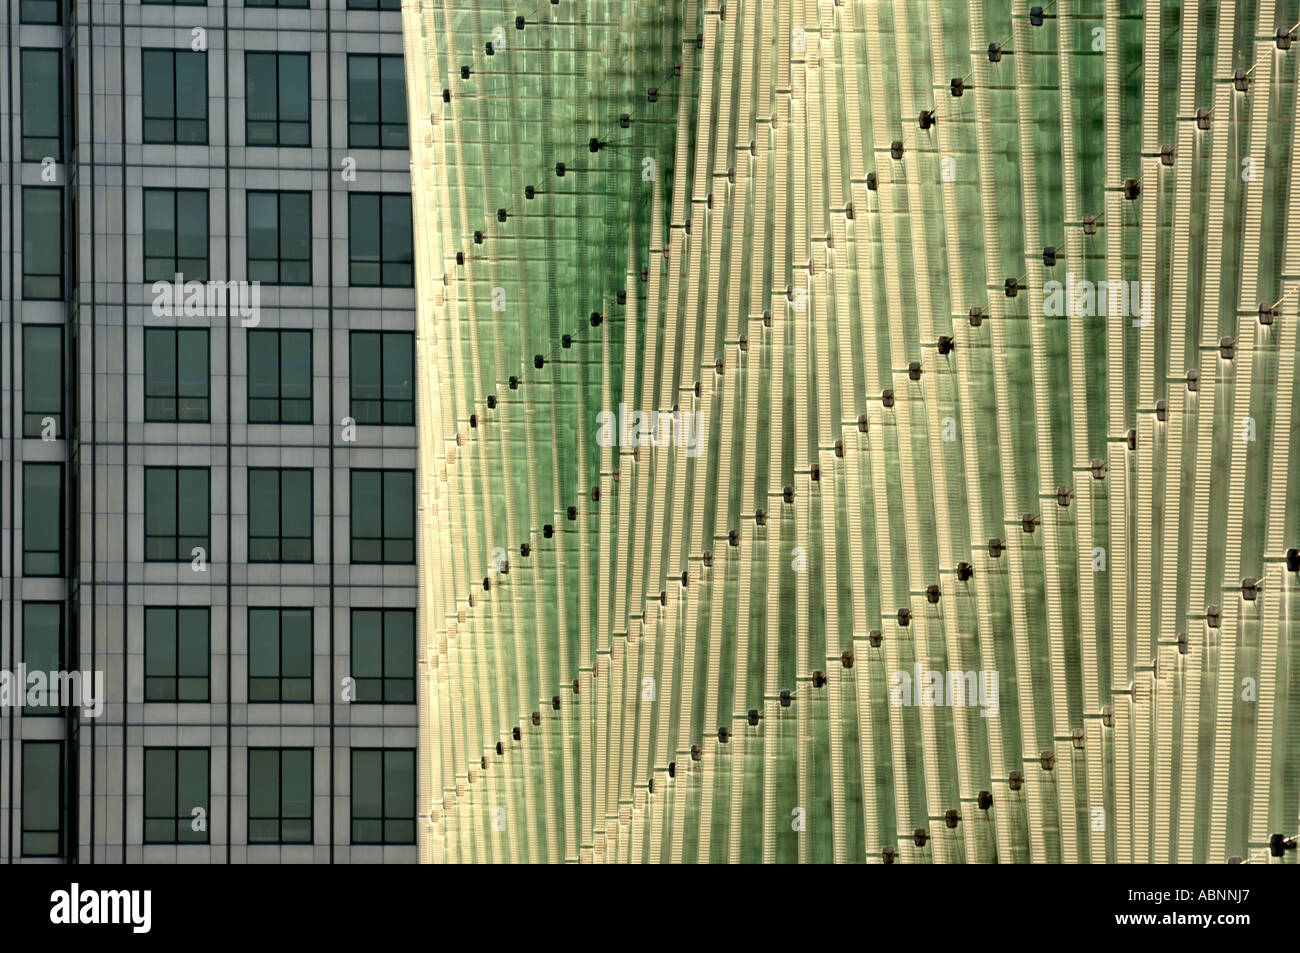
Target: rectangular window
{"type": "Point", "coordinates": [176, 3]}
{"type": "Point", "coordinates": [383, 796]}
{"type": "Point", "coordinates": [175, 99]}
{"type": "Point", "coordinates": [279, 516]}
{"type": "Point", "coordinates": [39, 11]}
{"type": "Point", "coordinates": [177, 513]}
{"type": "Point", "coordinates": [379, 240]}
{"type": "Point", "coordinates": [42, 104]}
{"type": "Point", "coordinates": [279, 377]}
{"type": "Point", "coordinates": [43, 650]}
{"type": "Point", "coordinates": [279, 795]}
{"type": "Point", "coordinates": [42, 243]}
{"type": "Point", "coordinates": [175, 234]}
{"type": "Point", "coordinates": [383, 516]}
{"type": "Point", "coordinates": [177, 652]}
{"type": "Point", "coordinates": [42, 799]}
{"type": "Point", "coordinates": [279, 237]}
{"type": "Point", "coordinates": [383, 655]}
{"type": "Point", "coordinates": [42, 379]}
{"type": "Point", "coordinates": [282, 4]}
{"type": "Point", "coordinates": [277, 97]}
{"type": "Point", "coordinates": [374, 4]}
{"type": "Point", "coordinates": [279, 655]}
{"type": "Point", "coordinates": [175, 791]}
{"type": "Point", "coordinates": [176, 374]}
{"type": "Point", "coordinates": [376, 102]}
{"type": "Point", "coordinates": [383, 377]}
{"type": "Point", "coordinates": [42, 519]}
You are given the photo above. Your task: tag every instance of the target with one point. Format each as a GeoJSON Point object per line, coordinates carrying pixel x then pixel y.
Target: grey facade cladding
{"type": "Point", "coordinates": [119, 431]}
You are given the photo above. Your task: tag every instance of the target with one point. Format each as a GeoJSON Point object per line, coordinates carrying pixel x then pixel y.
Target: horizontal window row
{"type": "Point", "coordinates": [382, 376]}
{"type": "Point", "coordinates": [48, 11]}
{"type": "Point", "coordinates": [279, 239]}
{"type": "Point", "coordinates": [277, 97]}
{"type": "Point", "coordinates": [177, 516]}
{"type": "Point", "coordinates": [280, 783]}
{"type": "Point", "coordinates": [178, 652]}
{"type": "Point", "coordinates": [177, 377]}
{"type": "Point", "coordinates": [279, 786]}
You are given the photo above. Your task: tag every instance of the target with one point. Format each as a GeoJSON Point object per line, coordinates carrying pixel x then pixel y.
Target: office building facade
{"type": "Point", "coordinates": [208, 433]}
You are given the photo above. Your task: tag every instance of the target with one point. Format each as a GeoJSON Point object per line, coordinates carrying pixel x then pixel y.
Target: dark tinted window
{"type": "Point", "coordinates": [278, 99]}
{"type": "Point", "coordinates": [43, 649]}
{"type": "Point", "coordinates": [42, 242]}
{"type": "Point", "coordinates": [42, 806]}
{"type": "Point", "coordinates": [279, 237]}
{"type": "Point", "coordinates": [42, 519]}
{"type": "Point", "coordinates": [379, 240]}
{"type": "Point", "coordinates": [175, 98]}
{"type": "Point", "coordinates": [176, 795]}
{"type": "Point", "coordinates": [279, 377]}
{"type": "Point", "coordinates": [383, 655]}
{"type": "Point", "coordinates": [383, 796]}
{"type": "Point", "coordinates": [177, 513]}
{"type": "Point", "coordinates": [42, 104]}
{"type": "Point", "coordinates": [279, 516]}
{"type": "Point", "coordinates": [175, 234]}
{"type": "Point", "coordinates": [177, 653]}
{"type": "Point", "coordinates": [383, 377]}
{"type": "Point", "coordinates": [42, 379]}
{"type": "Point", "coordinates": [176, 375]}
{"type": "Point", "coordinates": [376, 102]}
{"type": "Point", "coordinates": [279, 655]}
{"type": "Point", "coordinates": [383, 516]}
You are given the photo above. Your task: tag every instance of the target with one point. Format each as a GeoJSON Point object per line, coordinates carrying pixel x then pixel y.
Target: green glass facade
{"type": "Point", "coordinates": [856, 431]}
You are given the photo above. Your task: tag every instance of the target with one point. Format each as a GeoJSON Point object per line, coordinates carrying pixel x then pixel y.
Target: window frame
{"type": "Point", "coordinates": [280, 678]}
{"type": "Point", "coordinates": [387, 405]}
{"type": "Point", "coordinates": [60, 526]}
{"type": "Point", "coordinates": [280, 335]}
{"type": "Point", "coordinates": [31, 53]}
{"type": "Point", "coordinates": [177, 536]}
{"type": "Point", "coordinates": [278, 122]}
{"type": "Point", "coordinates": [33, 238]}
{"type": "Point", "coordinates": [23, 849]}
{"type": "Point", "coordinates": [262, 519]}
{"type": "Point", "coordinates": [382, 537]}
{"type": "Point", "coordinates": [33, 383]}
{"type": "Point", "coordinates": [383, 263]}
{"type": "Point", "coordinates": [56, 4]}
{"type": "Point", "coordinates": [384, 614]}
{"type": "Point", "coordinates": [176, 257]}
{"type": "Point", "coordinates": [281, 818]}
{"type": "Point", "coordinates": [384, 818]}
{"type": "Point", "coordinates": [379, 60]}
{"type": "Point", "coordinates": [176, 819]}
{"type": "Point", "coordinates": [178, 633]}
{"type": "Point", "coordinates": [280, 231]}
{"type": "Point", "coordinates": [153, 336]}
{"type": "Point", "coordinates": [59, 661]}
{"type": "Point", "coordinates": [174, 119]}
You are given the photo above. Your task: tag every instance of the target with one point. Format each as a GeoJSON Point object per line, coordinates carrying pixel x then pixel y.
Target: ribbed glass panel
{"type": "Point", "coordinates": [855, 431]}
